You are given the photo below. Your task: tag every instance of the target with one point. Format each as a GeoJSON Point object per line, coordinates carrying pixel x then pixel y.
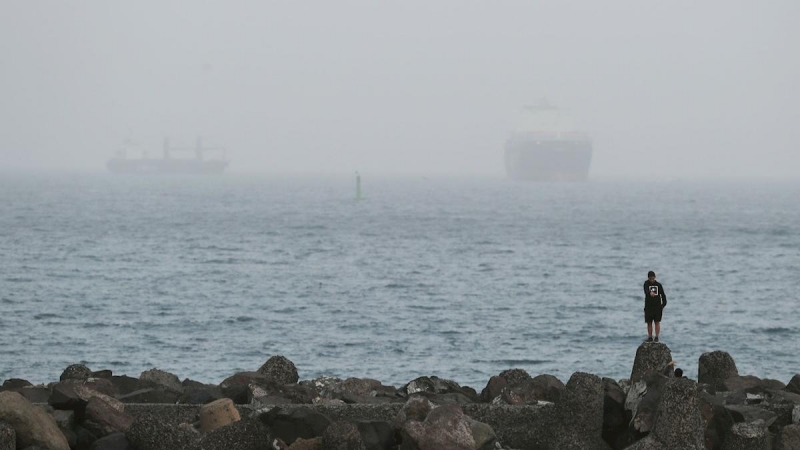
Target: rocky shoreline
{"type": "Point", "coordinates": [270, 408]}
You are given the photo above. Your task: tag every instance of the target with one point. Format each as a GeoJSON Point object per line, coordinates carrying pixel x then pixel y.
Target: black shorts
{"type": "Point", "coordinates": [653, 315]}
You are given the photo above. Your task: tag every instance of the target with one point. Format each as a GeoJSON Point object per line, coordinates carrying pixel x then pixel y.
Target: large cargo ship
{"type": "Point", "coordinates": [547, 147]}
{"type": "Point", "coordinates": [168, 163]}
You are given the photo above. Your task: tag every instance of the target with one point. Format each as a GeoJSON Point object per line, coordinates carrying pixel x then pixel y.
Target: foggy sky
{"type": "Point", "coordinates": [679, 89]}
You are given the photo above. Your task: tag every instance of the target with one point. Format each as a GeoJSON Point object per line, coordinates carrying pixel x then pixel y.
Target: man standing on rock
{"type": "Point", "coordinates": [654, 303]}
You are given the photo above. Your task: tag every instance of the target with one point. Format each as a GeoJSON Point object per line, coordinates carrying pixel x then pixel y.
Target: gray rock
{"type": "Point", "coordinates": [716, 367]}
{"type": "Point", "coordinates": [747, 436]}
{"type": "Point", "coordinates": [651, 357]}
{"type": "Point", "coordinates": [342, 436]}
{"type": "Point", "coordinates": [8, 438]}
{"type": "Point", "coordinates": [244, 434]}
{"type": "Point", "coordinates": [678, 422]}
{"type": "Point", "coordinates": [116, 441]}
{"type": "Point", "coordinates": [743, 413]}
{"type": "Point", "coordinates": [376, 434]}
{"type": "Point", "coordinates": [15, 383]}
{"type": "Point", "coordinates": [32, 425]}
{"type": "Point", "coordinates": [447, 427]}
{"type": "Point", "coordinates": [416, 409]}
{"type": "Point", "coordinates": [496, 384]}
{"type": "Point", "coordinates": [102, 418]}
{"type": "Point", "coordinates": [159, 396]}
{"type": "Point", "coordinates": [794, 384]}
{"type": "Point", "coordinates": [578, 416]}
{"type": "Point", "coordinates": [160, 380]}
{"type": "Point", "coordinates": [76, 372]}
{"type": "Point", "coordinates": [152, 433]}
{"type": "Point", "coordinates": [290, 425]}
{"type": "Point", "coordinates": [788, 438]}
{"type": "Point", "coordinates": [280, 370]}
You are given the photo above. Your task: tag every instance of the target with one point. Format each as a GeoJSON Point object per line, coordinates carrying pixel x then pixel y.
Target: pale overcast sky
{"type": "Point", "coordinates": [680, 88]}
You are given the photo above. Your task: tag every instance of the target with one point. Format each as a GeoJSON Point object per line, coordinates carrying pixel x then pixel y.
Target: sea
{"type": "Point", "coordinates": [455, 277]}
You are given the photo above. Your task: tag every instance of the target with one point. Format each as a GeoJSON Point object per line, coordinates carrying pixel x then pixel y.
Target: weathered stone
{"type": "Point", "coordinates": [244, 434]}
{"type": "Point", "coordinates": [742, 413]}
{"type": "Point", "coordinates": [8, 437]}
{"type": "Point", "coordinates": [747, 436]}
{"type": "Point", "coordinates": [76, 372]}
{"type": "Point", "coordinates": [195, 393]}
{"type": "Point", "coordinates": [496, 384]}
{"type": "Point", "coordinates": [794, 384]}
{"type": "Point", "coordinates": [678, 422]}
{"type": "Point", "coordinates": [218, 414]}
{"type": "Point", "coordinates": [614, 419]}
{"type": "Point", "coordinates": [105, 373]}
{"type": "Point", "coordinates": [153, 433]}
{"type": "Point", "coordinates": [376, 435]}
{"type": "Point", "coordinates": [295, 424]}
{"type": "Point", "coordinates": [446, 427]}
{"type": "Point", "coordinates": [15, 383]}
{"type": "Point", "coordinates": [788, 438]}
{"type": "Point", "coordinates": [116, 441]}
{"type": "Point", "coordinates": [342, 436]}
{"type": "Point", "coordinates": [360, 390]}
{"type": "Point", "coordinates": [124, 384]}
{"type": "Point", "coordinates": [651, 357]}
{"type": "Point", "coordinates": [32, 425]}
{"type": "Point", "coordinates": [416, 409]}
{"type": "Point", "coordinates": [103, 418]}
{"type": "Point", "coordinates": [578, 416]}
{"type": "Point", "coordinates": [715, 367]}
{"type": "Point", "coordinates": [34, 394]}
{"type": "Point", "coordinates": [160, 380]}
{"type": "Point", "coordinates": [280, 370]}
{"type": "Point", "coordinates": [646, 410]}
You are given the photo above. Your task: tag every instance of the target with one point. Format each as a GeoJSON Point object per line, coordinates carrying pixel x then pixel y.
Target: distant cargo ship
{"type": "Point", "coordinates": [168, 164]}
{"type": "Point", "coordinates": [546, 147]}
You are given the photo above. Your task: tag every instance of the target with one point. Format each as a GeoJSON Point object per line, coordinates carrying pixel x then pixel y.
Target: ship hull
{"type": "Point", "coordinates": [548, 160]}
{"type": "Point", "coordinates": [166, 166]}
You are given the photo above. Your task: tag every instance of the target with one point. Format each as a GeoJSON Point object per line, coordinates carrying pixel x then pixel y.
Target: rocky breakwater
{"type": "Point", "coordinates": [270, 408]}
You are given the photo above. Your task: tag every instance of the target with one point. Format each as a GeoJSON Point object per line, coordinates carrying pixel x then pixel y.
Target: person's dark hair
{"type": "Point", "coordinates": [678, 373]}
{"type": "Point", "coordinates": [651, 274]}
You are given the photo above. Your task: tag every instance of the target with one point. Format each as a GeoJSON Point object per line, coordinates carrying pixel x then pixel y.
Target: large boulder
{"type": "Point", "coordinates": [8, 438]}
{"type": "Point", "coordinates": [245, 434]}
{"type": "Point", "coordinates": [153, 433]}
{"type": "Point", "coordinates": [76, 372]}
{"type": "Point", "coordinates": [103, 418]}
{"type": "Point", "coordinates": [577, 421]}
{"type": "Point", "coordinates": [290, 425]}
{"type": "Point", "coordinates": [439, 390]}
{"type": "Point", "coordinates": [678, 423]}
{"type": "Point", "coordinates": [280, 370]}
{"type": "Point", "coordinates": [651, 357]}
{"type": "Point", "coordinates": [788, 438]}
{"type": "Point", "coordinates": [511, 377]}
{"type": "Point", "coordinates": [218, 414]}
{"type": "Point", "coordinates": [342, 436]}
{"type": "Point", "coordinates": [14, 383]}
{"type": "Point", "coordinates": [160, 380]}
{"type": "Point", "coordinates": [196, 393]}
{"type": "Point", "coordinates": [794, 384]}
{"type": "Point", "coordinates": [116, 441]}
{"type": "Point", "coordinates": [376, 435]}
{"type": "Point", "coordinates": [447, 427]}
{"type": "Point", "coordinates": [360, 390]}
{"type": "Point", "coordinates": [747, 436]}
{"type": "Point", "coordinates": [716, 367]}
{"type": "Point", "coordinates": [32, 425]}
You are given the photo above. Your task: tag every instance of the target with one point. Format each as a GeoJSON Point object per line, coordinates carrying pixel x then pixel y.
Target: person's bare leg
{"type": "Point", "coordinates": [650, 329]}
{"type": "Point", "coordinates": [658, 328]}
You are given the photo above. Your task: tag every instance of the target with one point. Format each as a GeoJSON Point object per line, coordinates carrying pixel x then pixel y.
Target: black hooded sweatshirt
{"type": "Point", "coordinates": [657, 302]}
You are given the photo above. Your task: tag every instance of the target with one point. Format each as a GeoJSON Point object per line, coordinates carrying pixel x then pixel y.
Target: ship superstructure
{"type": "Point", "coordinates": [547, 147]}
{"type": "Point", "coordinates": [169, 163]}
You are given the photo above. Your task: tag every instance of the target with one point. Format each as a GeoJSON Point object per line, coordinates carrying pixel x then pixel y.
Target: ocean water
{"type": "Point", "coordinates": [454, 277]}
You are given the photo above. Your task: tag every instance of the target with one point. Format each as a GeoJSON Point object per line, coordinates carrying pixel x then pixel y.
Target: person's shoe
{"type": "Point", "coordinates": [656, 338]}
{"type": "Point", "coordinates": [649, 338]}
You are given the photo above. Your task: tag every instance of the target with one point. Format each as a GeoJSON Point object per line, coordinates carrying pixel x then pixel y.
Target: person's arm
{"type": "Point", "coordinates": [646, 293]}
{"type": "Point", "coordinates": [663, 296]}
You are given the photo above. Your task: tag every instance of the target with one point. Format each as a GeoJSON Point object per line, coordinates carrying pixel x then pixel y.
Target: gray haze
{"type": "Point", "coordinates": [684, 89]}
